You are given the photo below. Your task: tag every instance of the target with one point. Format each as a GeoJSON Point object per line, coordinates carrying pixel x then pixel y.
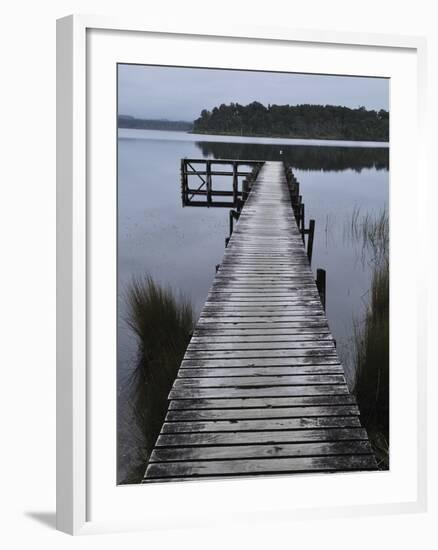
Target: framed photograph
{"type": "Point", "coordinates": [238, 317]}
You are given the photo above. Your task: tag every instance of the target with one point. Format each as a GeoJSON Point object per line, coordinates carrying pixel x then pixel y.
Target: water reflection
{"type": "Point", "coordinates": [302, 157]}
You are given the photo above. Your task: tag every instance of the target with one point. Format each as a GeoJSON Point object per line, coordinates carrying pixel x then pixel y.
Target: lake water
{"type": "Point", "coordinates": [180, 247]}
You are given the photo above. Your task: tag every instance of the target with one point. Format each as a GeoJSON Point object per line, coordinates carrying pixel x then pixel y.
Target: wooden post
{"type": "Point", "coordinates": [233, 216]}
{"type": "Point", "coordinates": [184, 195]}
{"type": "Point", "coordinates": [244, 190]}
{"type": "Point", "coordinates": [320, 284]}
{"type": "Point", "coordinates": [303, 221]}
{"type": "Point", "coordinates": [208, 170]}
{"type": "Point", "coordinates": [297, 210]}
{"type": "Point", "coordinates": [310, 239]}
{"type": "Point", "coordinates": [296, 207]}
{"type": "Point", "coordinates": [235, 183]}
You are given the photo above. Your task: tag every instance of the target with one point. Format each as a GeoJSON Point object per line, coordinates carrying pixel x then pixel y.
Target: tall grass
{"type": "Point", "coordinates": [371, 337]}
{"type": "Point", "coordinates": [162, 324]}
{"type": "Point", "coordinates": [372, 234]}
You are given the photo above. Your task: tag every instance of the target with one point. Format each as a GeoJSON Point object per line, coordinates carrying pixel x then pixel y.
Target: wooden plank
{"type": "Point", "coordinates": [268, 317]}
{"type": "Point", "coordinates": [260, 466]}
{"type": "Point", "coordinates": [249, 295]}
{"type": "Point", "coordinates": [295, 333]}
{"type": "Point", "coordinates": [259, 354]}
{"type": "Point", "coordinates": [248, 317]}
{"type": "Point", "coordinates": [262, 326]}
{"type": "Point", "coordinates": [199, 372]}
{"type": "Point", "coordinates": [258, 381]}
{"type": "Point", "coordinates": [275, 391]}
{"type": "Point", "coordinates": [264, 413]}
{"type": "Point", "coordinates": [259, 268]}
{"type": "Point", "coordinates": [296, 339]}
{"type": "Point", "coordinates": [268, 286]}
{"type": "Point", "coordinates": [300, 305]}
{"type": "Point", "coordinates": [255, 438]}
{"type": "Point", "coordinates": [243, 345]}
{"type": "Point", "coordinates": [262, 402]}
{"type": "Point", "coordinates": [242, 305]}
{"type": "Point", "coordinates": [291, 302]}
{"type": "Point", "coordinates": [246, 303]}
{"type": "Point", "coordinates": [232, 311]}
{"type": "Point", "coordinates": [260, 451]}
{"type": "Point", "coordinates": [238, 262]}
{"type": "Point", "coordinates": [265, 278]}
{"type": "Point", "coordinates": [259, 362]}
{"type": "Point", "coordinates": [270, 424]}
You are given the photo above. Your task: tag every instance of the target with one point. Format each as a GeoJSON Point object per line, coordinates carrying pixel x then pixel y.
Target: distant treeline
{"type": "Point", "coordinates": [302, 157]}
{"type": "Point", "coordinates": [126, 121]}
{"type": "Point", "coordinates": [295, 121]}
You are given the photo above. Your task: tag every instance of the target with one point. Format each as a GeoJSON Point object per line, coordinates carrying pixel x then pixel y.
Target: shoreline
{"type": "Point", "coordinates": [143, 133]}
{"type": "Point", "coordinates": [274, 136]}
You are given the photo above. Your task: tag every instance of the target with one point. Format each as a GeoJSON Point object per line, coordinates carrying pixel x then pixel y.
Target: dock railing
{"type": "Point", "coordinates": [204, 171]}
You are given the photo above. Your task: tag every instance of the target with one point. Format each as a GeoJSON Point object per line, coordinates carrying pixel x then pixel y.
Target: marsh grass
{"type": "Point", "coordinates": [371, 233]}
{"type": "Point", "coordinates": [163, 325]}
{"type": "Point", "coordinates": [371, 334]}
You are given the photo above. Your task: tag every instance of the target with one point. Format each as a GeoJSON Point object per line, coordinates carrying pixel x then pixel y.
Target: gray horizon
{"type": "Point", "coordinates": [180, 93]}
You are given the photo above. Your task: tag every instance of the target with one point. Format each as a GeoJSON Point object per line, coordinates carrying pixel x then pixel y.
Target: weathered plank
{"type": "Point", "coordinates": [245, 346]}
{"type": "Point", "coordinates": [262, 402]}
{"type": "Point", "coordinates": [259, 381]}
{"type": "Point", "coordinates": [259, 354]}
{"type": "Point", "coordinates": [261, 310]}
{"type": "Point", "coordinates": [257, 437]}
{"type": "Point", "coordinates": [270, 424]}
{"type": "Point", "coordinates": [266, 318]}
{"type": "Point", "coordinates": [260, 466]}
{"type": "Point", "coordinates": [270, 391]}
{"type": "Point", "coordinates": [300, 307]}
{"type": "Point", "coordinates": [260, 451]}
{"type": "Point", "coordinates": [293, 333]}
{"type": "Point", "coordinates": [198, 372]}
{"type": "Point", "coordinates": [251, 414]}
{"type": "Point", "coordinates": [299, 340]}
{"type": "Point", "coordinates": [263, 326]}
{"type": "Point", "coordinates": [259, 362]}
{"type": "Point", "coordinates": [258, 298]}
{"type": "Point", "coordinates": [246, 304]}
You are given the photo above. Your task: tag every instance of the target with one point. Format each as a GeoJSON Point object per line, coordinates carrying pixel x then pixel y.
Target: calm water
{"type": "Point", "coordinates": [180, 247]}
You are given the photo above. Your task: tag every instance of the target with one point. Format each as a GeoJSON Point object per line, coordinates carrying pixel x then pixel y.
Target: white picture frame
{"type": "Point", "coordinates": [76, 213]}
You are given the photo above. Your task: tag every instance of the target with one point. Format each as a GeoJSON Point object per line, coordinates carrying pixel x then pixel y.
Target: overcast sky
{"type": "Point", "coordinates": [180, 94]}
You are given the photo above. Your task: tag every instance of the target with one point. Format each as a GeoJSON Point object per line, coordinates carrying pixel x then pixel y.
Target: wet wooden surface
{"type": "Point", "coordinates": [261, 389]}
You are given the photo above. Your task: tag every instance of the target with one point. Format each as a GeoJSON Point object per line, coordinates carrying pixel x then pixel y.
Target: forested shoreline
{"type": "Point", "coordinates": [126, 121]}
{"type": "Point", "coordinates": [295, 121]}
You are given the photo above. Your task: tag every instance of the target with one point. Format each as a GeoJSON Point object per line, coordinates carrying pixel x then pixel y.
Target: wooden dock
{"type": "Point", "coordinates": [261, 389]}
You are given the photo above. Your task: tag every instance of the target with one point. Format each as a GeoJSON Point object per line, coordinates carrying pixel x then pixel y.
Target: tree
{"type": "Point", "coordinates": [300, 121]}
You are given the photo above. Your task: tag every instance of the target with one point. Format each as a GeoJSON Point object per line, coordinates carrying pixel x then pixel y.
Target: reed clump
{"type": "Point", "coordinates": [163, 324]}
{"type": "Point", "coordinates": [371, 233]}
{"type": "Point", "coordinates": [371, 338]}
